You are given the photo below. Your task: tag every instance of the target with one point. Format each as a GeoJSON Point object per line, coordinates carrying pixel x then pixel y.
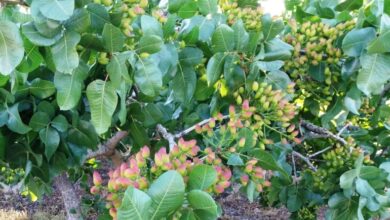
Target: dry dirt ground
{"type": "Point", "coordinates": [235, 207]}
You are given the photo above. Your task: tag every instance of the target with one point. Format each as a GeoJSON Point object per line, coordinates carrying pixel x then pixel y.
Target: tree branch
{"type": "Point", "coordinates": [305, 159]}
{"type": "Point", "coordinates": [70, 199]}
{"type": "Point", "coordinates": [10, 2]}
{"type": "Point", "coordinates": [294, 166]}
{"type": "Point", "coordinates": [343, 129]}
{"type": "Point", "coordinates": [107, 149]}
{"type": "Point", "coordinates": [190, 129]}
{"type": "Point", "coordinates": [319, 152]}
{"type": "Point", "coordinates": [322, 132]}
{"type": "Point", "coordinates": [383, 93]}
{"type": "Point", "coordinates": [166, 135]}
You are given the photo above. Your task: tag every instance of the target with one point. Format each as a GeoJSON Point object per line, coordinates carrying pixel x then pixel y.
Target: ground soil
{"type": "Point", "coordinates": [235, 206]}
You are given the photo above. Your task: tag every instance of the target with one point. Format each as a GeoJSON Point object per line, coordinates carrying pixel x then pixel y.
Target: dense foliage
{"type": "Point", "coordinates": [294, 110]}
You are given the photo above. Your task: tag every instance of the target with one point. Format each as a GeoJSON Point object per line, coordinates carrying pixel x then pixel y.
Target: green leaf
{"type": "Point", "coordinates": [33, 58]}
{"type": "Point", "coordinates": [123, 91]}
{"type": "Point", "coordinates": [271, 28]}
{"type": "Point", "coordinates": [349, 5]}
{"type": "Point", "coordinates": [203, 92]}
{"type": "Point", "coordinates": [190, 56]}
{"type": "Point", "coordinates": [380, 44]}
{"type": "Point", "coordinates": [278, 79]}
{"type": "Point", "coordinates": [6, 96]}
{"type": "Point", "coordinates": [332, 112]}
{"type": "Point", "coordinates": [267, 161]}
{"type": "Point", "coordinates": [184, 84]}
{"type": "Point", "coordinates": [3, 80]}
{"type": "Point", "coordinates": [3, 145]}
{"type": "Point", "coordinates": [117, 70]}
{"type": "Point", "coordinates": [50, 137]}
{"type": "Point", "coordinates": [188, 10]}
{"type": "Point", "coordinates": [324, 12]}
{"type": "Point", "coordinates": [174, 5]}
{"type": "Point", "coordinates": [241, 37]}
{"type": "Point", "coordinates": [47, 107]}
{"type": "Point", "coordinates": [364, 188]}
{"type": "Point", "coordinates": [103, 100]}
{"type": "Point", "coordinates": [233, 74]}
{"type": "Point", "coordinates": [60, 123]}
{"type": "Point", "coordinates": [35, 37]}
{"type": "Point", "coordinates": [150, 44]}
{"type": "Point", "coordinates": [139, 135]}
{"type": "Point", "coordinates": [170, 26]}
{"type": "Point", "coordinates": [64, 52]}
{"type": "Point", "coordinates": [250, 191]}
{"type": "Point", "coordinates": [99, 17]}
{"type": "Point", "coordinates": [235, 160]}
{"type": "Point", "coordinates": [83, 134]}
{"type": "Point", "coordinates": [202, 177]}
{"type": "Point", "coordinates": [267, 66]}
{"type": "Point", "coordinates": [39, 120]}
{"type": "Point", "coordinates": [386, 167]}
{"type": "Point", "coordinates": [253, 42]}
{"type": "Point", "coordinates": [222, 39]}
{"type": "Point", "coordinates": [167, 193]}
{"type": "Point", "coordinates": [208, 6]}
{"type": "Point", "coordinates": [191, 37]}
{"type": "Point", "coordinates": [203, 205]}
{"type": "Point", "coordinates": [150, 26]}
{"type": "Point", "coordinates": [113, 38]}
{"type": "Point", "coordinates": [374, 74]}
{"type": "Point", "coordinates": [58, 10]}
{"type": "Point", "coordinates": [276, 49]}
{"type": "Point", "coordinates": [148, 76]}
{"type": "Point", "coordinates": [347, 179]}
{"type": "Point", "coordinates": [135, 205]}
{"type": "Point", "coordinates": [11, 47]}
{"type": "Point", "coordinates": [214, 68]}
{"type": "Point", "coordinates": [187, 214]}
{"type": "Point", "coordinates": [356, 41]}
{"type": "Point", "coordinates": [294, 201]}
{"type": "Point", "coordinates": [69, 87]}
{"type": "Point", "coordinates": [79, 22]}
{"type": "Point", "coordinates": [42, 88]}
{"type": "Point", "coordinates": [317, 72]}
{"type": "Point", "coordinates": [369, 173]}
{"type": "Point", "coordinates": [48, 27]}
{"type": "Point", "coordinates": [14, 122]}
{"type": "Point", "coordinates": [352, 100]}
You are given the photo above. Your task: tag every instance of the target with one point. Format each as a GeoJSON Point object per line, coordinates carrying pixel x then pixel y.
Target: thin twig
{"type": "Point", "coordinates": [294, 166]}
{"type": "Point", "coordinates": [10, 2]}
{"type": "Point", "coordinates": [11, 188]}
{"type": "Point", "coordinates": [167, 136]}
{"type": "Point", "coordinates": [305, 159]}
{"type": "Point", "coordinates": [108, 148]}
{"type": "Point", "coordinates": [188, 130]}
{"type": "Point", "coordinates": [322, 131]}
{"type": "Point", "coordinates": [343, 129]}
{"type": "Point", "coordinates": [319, 152]}
{"type": "Point", "coordinates": [383, 93]}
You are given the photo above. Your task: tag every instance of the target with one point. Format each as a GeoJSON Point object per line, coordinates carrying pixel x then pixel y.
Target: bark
{"type": "Point", "coordinates": [167, 136]}
{"type": "Point", "coordinates": [71, 200]}
{"type": "Point", "coordinates": [107, 149]}
{"type": "Point", "coordinates": [69, 197]}
{"type": "Point", "coordinates": [321, 132]}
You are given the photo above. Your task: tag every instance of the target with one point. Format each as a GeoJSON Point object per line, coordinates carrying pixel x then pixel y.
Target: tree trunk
{"type": "Point", "coordinates": [69, 197]}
